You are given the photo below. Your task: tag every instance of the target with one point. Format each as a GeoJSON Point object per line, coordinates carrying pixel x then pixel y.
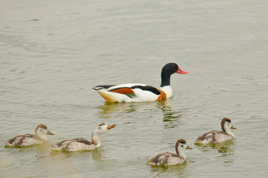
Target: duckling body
{"type": "Point", "coordinates": [30, 139]}
{"type": "Point", "coordinates": [215, 136]}
{"type": "Point", "coordinates": [79, 144]}
{"type": "Point", "coordinates": [75, 145]}
{"type": "Point", "coordinates": [168, 159]}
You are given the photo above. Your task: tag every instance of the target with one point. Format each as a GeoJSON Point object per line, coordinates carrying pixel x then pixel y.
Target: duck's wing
{"type": "Point", "coordinates": [125, 89]}
{"type": "Point", "coordinates": [207, 137]}
{"type": "Point", "coordinates": [81, 140]}
{"type": "Point", "coordinates": [65, 143]}
{"type": "Point", "coordinates": [18, 140]}
{"type": "Point", "coordinates": [161, 158]}
{"type": "Point", "coordinates": [60, 145]}
{"type": "Point", "coordinates": [129, 92]}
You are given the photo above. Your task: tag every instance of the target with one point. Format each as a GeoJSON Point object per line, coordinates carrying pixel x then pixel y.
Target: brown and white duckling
{"type": "Point", "coordinates": [30, 139]}
{"type": "Point", "coordinates": [79, 144]}
{"type": "Point", "coordinates": [168, 159]}
{"type": "Point", "coordinates": [218, 136]}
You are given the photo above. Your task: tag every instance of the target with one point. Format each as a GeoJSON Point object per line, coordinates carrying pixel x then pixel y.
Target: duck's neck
{"type": "Point", "coordinates": [180, 153]}
{"type": "Point", "coordinates": [227, 130]}
{"type": "Point", "coordinates": [165, 84]}
{"type": "Point", "coordinates": [42, 137]}
{"type": "Point", "coordinates": [165, 79]}
{"type": "Point", "coordinates": [95, 139]}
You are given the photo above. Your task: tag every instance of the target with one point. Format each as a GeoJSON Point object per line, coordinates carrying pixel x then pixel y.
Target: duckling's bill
{"type": "Point", "coordinates": [111, 126]}
{"type": "Point", "coordinates": [49, 133]}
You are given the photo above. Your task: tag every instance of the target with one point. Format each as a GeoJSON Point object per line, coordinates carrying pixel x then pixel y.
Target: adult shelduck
{"type": "Point", "coordinates": [79, 144]}
{"type": "Point", "coordinates": [168, 159]}
{"type": "Point", "coordinates": [30, 139]}
{"type": "Point", "coordinates": [215, 136]}
{"type": "Point", "coordinates": [140, 92]}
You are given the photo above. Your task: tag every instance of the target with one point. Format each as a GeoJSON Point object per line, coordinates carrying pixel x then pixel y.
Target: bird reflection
{"type": "Point", "coordinates": [179, 168]}
{"type": "Point", "coordinates": [96, 153]}
{"type": "Point", "coordinates": [109, 108]}
{"type": "Point", "coordinates": [226, 148]}
{"type": "Point", "coordinates": [170, 116]}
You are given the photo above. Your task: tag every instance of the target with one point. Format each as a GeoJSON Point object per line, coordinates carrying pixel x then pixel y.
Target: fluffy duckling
{"type": "Point", "coordinates": [30, 139]}
{"type": "Point", "coordinates": [168, 159]}
{"type": "Point", "coordinates": [79, 144]}
{"type": "Point", "coordinates": [218, 136]}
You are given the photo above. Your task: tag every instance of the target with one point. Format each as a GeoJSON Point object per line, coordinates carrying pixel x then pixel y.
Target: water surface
{"type": "Point", "coordinates": [53, 53]}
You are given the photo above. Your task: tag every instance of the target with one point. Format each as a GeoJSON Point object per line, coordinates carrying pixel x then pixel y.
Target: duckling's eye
{"type": "Point", "coordinates": [99, 128]}
{"type": "Point", "coordinates": [182, 145]}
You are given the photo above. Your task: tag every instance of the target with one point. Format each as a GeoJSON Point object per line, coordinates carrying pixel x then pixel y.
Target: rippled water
{"type": "Point", "coordinates": [53, 53]}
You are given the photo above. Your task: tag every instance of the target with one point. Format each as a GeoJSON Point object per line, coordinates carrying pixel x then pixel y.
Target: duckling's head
{"type": "Point", "coordinates": [226, 124]}
{"type": "Point", "coordinates": [102, 128]}
{"type": "Point", "coordinates": [41, 129]}
{"type": "Point", "coordinates": [181, 145]}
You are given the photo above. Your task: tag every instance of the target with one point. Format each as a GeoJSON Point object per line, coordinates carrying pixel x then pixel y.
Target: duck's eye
{"type": "Point", "coordinates": [99, 128]}
{"type": "Point", "coordinates": [182, 145]}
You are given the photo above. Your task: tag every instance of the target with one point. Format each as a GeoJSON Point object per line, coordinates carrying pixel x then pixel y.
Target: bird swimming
{"type": "Point", "coordinates": [140, 92]}
{"type": "Point", "coordinates": [30, 139]}
{"type": "Point", "coordinates": [78, 144]}
{"type": "Point", "coordinates": [215, 136]}
{"type": "Point", "coordinates": [168, 159]}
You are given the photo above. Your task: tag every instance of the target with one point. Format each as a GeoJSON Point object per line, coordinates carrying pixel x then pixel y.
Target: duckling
{"type": "Point", "coordinates": [30, 139]}
{"type": "Point", "coordinates": [218, 136]}
{"type": "Point", "coordinates": [79, 144]}
{"type": "Point", "coordinates": [168, 159]}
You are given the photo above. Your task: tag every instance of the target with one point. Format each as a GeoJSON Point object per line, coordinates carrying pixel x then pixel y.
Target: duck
{"type": "Point", "coordinates": [80, 144]}
{"type": "Point", "coordinates": [169, 159]}
{"type": "Point", "coordinates": [30, 139]}
{"type": "Point", "coordinates": [132, 92]}
{"type": "Point", "coordinates": [215, 136]}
